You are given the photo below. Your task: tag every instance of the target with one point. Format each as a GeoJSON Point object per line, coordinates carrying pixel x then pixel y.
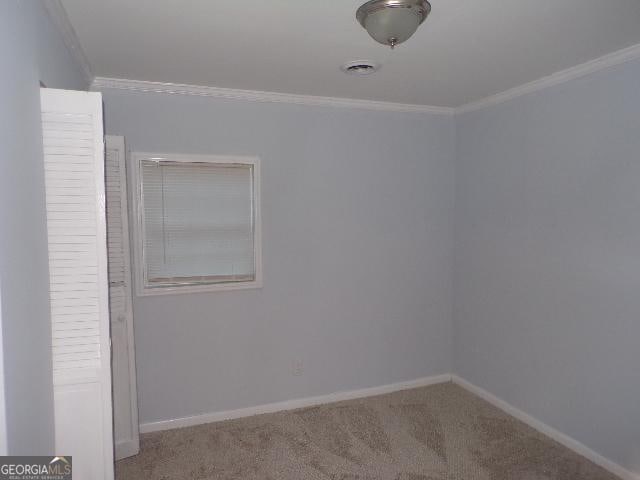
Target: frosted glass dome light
{"type": "Point", "coordinates": [392, 22]}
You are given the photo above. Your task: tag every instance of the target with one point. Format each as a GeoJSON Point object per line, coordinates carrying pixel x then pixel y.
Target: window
{"type": "Point", "coordinates": [198, 225]}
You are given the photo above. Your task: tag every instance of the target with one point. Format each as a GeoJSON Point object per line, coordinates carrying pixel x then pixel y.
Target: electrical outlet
{"type": "Point", "coordinates": [297, 368]}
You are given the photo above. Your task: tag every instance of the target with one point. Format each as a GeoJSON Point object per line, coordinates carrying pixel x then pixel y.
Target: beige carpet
{"type": "Point", "coordinates": [434, 433]}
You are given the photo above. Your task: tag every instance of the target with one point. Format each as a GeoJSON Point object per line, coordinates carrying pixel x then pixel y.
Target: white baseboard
{"type": "Point", "coordinates": [126, 448]}
{"type": "Point", "coordinates": [551, 432]}
{"type": "Point", "coordinates": [542, 427]}
{"type": "Point", "coordinates": [290, 404]}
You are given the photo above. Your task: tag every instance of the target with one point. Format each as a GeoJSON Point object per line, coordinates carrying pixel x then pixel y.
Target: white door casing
{"type": "Point", "coordinates": [125, 402]}
{"type": "Point", "coordinates": [76, 226]}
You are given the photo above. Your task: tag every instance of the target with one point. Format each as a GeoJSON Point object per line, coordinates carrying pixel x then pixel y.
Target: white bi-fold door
{"type": "Point", "coordinates": [125, 404]}
{"type": "Point", "coordinates": [76, 224]}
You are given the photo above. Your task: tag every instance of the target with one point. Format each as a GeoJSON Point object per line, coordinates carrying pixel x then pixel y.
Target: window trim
{"type": "Point", "coordinates": [142, 289]}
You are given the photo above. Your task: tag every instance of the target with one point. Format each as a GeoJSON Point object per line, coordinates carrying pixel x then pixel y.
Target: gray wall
{"type": "Point", "coordinates": [547, 258]}
{"type": "Point", "coordinates": [357, 246]}
{"type": "Point", "coordinates": [31, 51]}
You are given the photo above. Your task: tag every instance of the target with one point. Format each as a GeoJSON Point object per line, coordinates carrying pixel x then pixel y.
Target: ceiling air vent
{"type": "Point", "coordinates": [361, 67]}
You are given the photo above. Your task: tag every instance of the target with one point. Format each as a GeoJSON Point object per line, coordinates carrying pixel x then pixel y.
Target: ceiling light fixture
{"type": "Point", "coordinates": [392, 22]}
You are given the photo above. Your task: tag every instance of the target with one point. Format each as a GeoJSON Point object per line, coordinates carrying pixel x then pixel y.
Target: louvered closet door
{"type": "Point", "coordinates": [125, 405]}
{"type": "Point", "coordinates": [75, 201]}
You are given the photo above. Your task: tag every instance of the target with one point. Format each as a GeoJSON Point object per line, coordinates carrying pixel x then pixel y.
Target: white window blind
{"type": "Point", "coordinates": [198, 222]}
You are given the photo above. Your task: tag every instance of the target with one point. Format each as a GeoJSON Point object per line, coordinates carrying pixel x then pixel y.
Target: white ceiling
{"type": "Point", "coordinates": [465, 51]}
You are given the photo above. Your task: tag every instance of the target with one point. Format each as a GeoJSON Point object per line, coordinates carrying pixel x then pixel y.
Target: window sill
{"type": "Point", "coordinates": [221, 287]}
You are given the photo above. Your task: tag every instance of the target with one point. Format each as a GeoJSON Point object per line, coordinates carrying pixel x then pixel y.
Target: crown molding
{"type": "Point", "coordinates": [100, 83]}
{"type": "Point", "coordinates": [607, 61]}
{"type": "Point", "coordinates": [58, 15]}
